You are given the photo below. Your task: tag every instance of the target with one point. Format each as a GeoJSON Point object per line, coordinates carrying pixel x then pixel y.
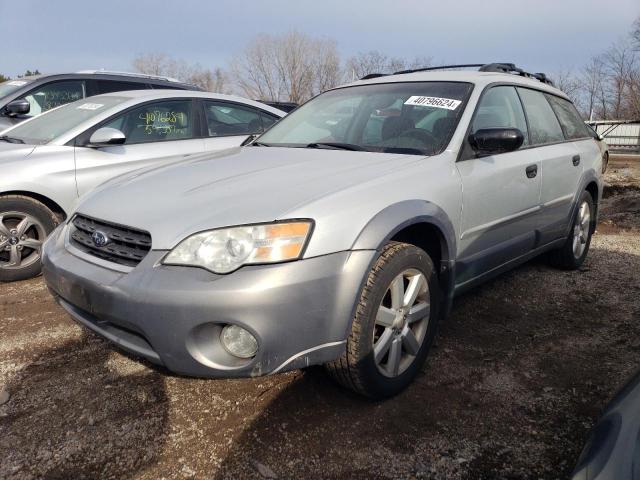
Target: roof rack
{"type": "Point", "coordinates": [131, 74]}
{"type": "Point", "coordinates": [482, 67]}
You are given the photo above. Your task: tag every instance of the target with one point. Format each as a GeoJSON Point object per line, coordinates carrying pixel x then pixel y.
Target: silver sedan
{"type": "Point", "coordinates": [48, 162]}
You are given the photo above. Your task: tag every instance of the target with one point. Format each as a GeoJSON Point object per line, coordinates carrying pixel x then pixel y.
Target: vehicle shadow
{"type": "Point", "coordinates": [78, 412]}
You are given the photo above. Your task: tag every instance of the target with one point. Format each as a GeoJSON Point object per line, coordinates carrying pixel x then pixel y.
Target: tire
{"type": "Point", "coordinates": [379, 326]}
{"type": "Point", "coordinates": [24, 225]}
{"type": "Point", "coordinates": [572, 254]}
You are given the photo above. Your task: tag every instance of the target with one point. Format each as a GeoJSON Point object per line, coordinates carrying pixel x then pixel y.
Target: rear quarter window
{"type": "Point", "coordinates": [543, 123]}
{"type": "Point", "coordinates": [570, 120]}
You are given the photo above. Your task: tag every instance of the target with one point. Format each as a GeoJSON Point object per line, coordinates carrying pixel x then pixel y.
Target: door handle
{"type": "Point", "coordinates": [532, 171]}
{"type": "Point", "coordinates": [576, 160]}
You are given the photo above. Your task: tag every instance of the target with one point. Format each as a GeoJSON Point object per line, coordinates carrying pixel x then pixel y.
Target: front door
{"type": "Point", "coordinates": [500, 193]}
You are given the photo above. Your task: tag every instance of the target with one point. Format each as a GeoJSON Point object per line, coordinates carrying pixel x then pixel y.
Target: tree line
{"type": "Point", "coordinates": [292, 67]}
{"type": "Point", "coordinates": [608, 86]}
{"type": "Point", "coordinates": [295, 67]}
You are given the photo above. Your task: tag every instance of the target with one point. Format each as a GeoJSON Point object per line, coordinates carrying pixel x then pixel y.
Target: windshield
{"type": "Point", "coordinates": [11, 86]}
{"type": "Point", "coordinates": [415, 118]}
{"type": "Point", "coordinates": [44, 128]}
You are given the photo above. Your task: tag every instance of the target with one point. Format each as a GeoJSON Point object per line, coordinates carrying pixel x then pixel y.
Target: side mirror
{"type": "Point", "coordinates": [106, 136]}
{"type": "Point", "coordinates": [18, 107]}
{"type": "Point", "coordinates": [491, 141]}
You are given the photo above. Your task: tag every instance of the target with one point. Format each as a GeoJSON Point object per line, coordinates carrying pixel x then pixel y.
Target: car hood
{"type": "Point", "coordinates": [12, 151]}
{"type": "Point", "coordinates": [233, 187]}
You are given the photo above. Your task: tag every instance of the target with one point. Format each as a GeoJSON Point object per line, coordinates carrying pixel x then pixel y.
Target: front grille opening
{"type": "Point", "coordinates": [124, 245]}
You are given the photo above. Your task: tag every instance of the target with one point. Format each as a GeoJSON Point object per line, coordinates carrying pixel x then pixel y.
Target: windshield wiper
{"type": "Point", "coordinates": [9, 139]}
{"type": "Point", "coordinates": [260, 144]}
{"type": "Point", "coordinates": [337, 146]}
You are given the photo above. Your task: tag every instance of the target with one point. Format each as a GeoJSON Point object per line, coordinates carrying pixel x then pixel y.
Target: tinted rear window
{"type": "Point", "coordinates": [572, 124]}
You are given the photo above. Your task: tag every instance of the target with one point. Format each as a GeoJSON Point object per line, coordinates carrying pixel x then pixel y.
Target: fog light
{"type": "Point", "coordinates": [238, 341]}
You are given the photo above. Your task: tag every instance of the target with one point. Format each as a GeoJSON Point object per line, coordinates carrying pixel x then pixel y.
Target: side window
{"type": "Point", "coordinates": [500, 107]}
{"type": "Point", "coordinates": [572, 124]}
{"type": "Point", "coordinates": [109, 86]}
{"type": "Point", "coordinates": [54, 94]}
{"type": "Point", "coordinates": [267, 120]}
{"type": "Point", "coordinates": [543, 123]}
{"type": "Point", "coordinates": [156, 122]}
{"type": "Point", "coordinates": [225, 119]}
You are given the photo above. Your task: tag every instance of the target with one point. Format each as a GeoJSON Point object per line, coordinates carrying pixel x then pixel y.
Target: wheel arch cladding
{"type": "Point", "coordinates": [420, 223]}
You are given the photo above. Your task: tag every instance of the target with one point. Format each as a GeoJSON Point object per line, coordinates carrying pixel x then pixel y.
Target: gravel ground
{"type": "Point", "coordinates": [517, 377]}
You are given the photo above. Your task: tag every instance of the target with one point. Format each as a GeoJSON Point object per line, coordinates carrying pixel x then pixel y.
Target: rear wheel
{"type": "Point", "coordinates": [572, 254]}
{"type": "Point", "coordinates": [24, 225]}
{"type": "Point", "coordinates": [394, 324]}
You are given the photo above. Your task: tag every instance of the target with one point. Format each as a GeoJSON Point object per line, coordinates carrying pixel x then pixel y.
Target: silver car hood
{"type": "Point", "coordinates": [232, 187]}
{"type": "Point", "coordinates": [13, 151]}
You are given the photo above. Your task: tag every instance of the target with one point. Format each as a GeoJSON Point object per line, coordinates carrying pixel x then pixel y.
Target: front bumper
{"type": "Point", "coordinates": [299, 312]}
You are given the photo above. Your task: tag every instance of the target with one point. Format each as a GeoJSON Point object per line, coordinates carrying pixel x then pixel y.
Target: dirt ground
{"type": "Point", "coordinates": [518, 375]}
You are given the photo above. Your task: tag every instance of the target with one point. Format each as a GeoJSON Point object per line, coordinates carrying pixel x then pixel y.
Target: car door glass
{"type": "Point", "coordinates": [53, 95]}
{"type": "Point", "coordinates": [156, 122]}
{"type": "Point", "coordinates": [500, 107]}
{"type": "Point", "coordinates": [543, 123]}
{"type": "Point", "coordinates": [572, 124]}
{"type": "Point", "coordinates": [267, 120]}
{"type": "Point", "coordinates": [109, 86]}
{"type": "Point", "coordinates": [224, 119]}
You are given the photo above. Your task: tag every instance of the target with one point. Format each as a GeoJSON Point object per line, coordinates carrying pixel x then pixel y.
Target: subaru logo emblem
{"type": "Point", "coordinates": [99, 239]}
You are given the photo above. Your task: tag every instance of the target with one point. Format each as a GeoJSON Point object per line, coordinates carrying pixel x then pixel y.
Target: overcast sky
{"type": "Point", "coordinates": [540, 35]}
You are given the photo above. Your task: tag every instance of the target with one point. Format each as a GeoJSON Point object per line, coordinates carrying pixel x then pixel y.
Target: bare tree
{"type": "Point", "coordinates": [635, 33]}
{"type": "Point", "coordinates": [161, 64]}
{"type": "Point", "coordinates": [592, 80]}
{"type": "Point", "coordinates": [567, 81]}
{"type": "Point", "coordinates": [366, 63]}
{"type": "Point", "coordinates": [619, 62]}
{"type": "Point", "coordinates": [291, 67]}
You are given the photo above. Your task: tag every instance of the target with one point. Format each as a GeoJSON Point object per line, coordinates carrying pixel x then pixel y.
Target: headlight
{"type": "Point", "coordinates": [227, 249]}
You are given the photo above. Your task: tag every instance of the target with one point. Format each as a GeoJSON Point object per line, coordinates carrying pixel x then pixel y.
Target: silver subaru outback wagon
{"type": "Point", "coordinates": [341, 235]}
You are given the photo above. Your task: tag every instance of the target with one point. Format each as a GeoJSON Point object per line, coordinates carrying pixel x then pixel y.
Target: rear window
{"type": "Point", "coordinates": [570, 120]}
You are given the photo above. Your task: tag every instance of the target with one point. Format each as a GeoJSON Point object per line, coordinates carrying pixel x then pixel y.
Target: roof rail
{"type": "Point", "coordinates": [131, 74]}
{"type": "Point", "coordinates": [511, 68]}
{"type": "Point", "coordinates": [482, 67]}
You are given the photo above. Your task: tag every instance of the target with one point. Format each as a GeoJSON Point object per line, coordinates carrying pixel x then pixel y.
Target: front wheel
{"type": "Point", "coordinates": [24, 225]}
{"type": "Point", "coordinates": [572, 254]}
{"type": "Point", "coordinates": [393, 326]}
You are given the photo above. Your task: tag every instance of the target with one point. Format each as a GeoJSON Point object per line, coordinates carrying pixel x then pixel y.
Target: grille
{"type": "Point", "coordinates": [126, 246]}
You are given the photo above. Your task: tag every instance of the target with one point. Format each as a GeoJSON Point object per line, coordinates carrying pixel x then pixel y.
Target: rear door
{"type": "Point", "coordinates": [156, 133]}
{"type": "Point", "coordinates": [561, 164]}
{"type": "Point", "coordinates": [501, 193]}
{"type": "Point", "coordinates": [228, 124]}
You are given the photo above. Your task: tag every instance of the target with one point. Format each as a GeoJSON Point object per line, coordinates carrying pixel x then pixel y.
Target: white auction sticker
{"type": "Point", "coordinates": [437, 102]}
{"type": "Point", "coordinates": [90, 106]}
{"type": "Point", "coordinates": [16, 83]}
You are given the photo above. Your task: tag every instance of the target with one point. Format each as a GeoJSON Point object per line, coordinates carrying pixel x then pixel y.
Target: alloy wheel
{"type": "Point", "coordinates": [401, 323]}
{"type": "Point", "coordinates": [581, 229]}
{"type": "Point", "coordinates": [21, 237]}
